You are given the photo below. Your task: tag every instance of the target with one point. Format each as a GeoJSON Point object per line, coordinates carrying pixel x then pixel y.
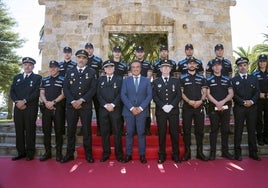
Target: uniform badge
{"type": "Point", "coordinates": [237, 83]}
{"type": "Point", "coordinates": [102, 83]}
{"type": "Point", "coordinates": [212, 81]}
{"type": "Point", "coordinates": [31, 83]}
{"type": "Point", "coordinates": [72, 74]}
{"type": "Point", "coordinates": [18, 80]}
{"type": "Point", "coordinates": [173, 88]}
{"type": "Point", "coordinates": [159, 85]}
{"type": "Point", "coordinates": [47, 81]}
{"type": "Point", "coordinates": [86, 75]}
{"type": "Point", "coordinates": [187, 79]}
{"type": "Point", "coordinates": [71, 82]}
{"type": "Point", "coordinates": [115, 85]}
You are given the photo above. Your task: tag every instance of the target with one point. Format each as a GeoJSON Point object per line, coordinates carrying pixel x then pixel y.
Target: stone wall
{"type": "Point", "coordinates": [204, 23]}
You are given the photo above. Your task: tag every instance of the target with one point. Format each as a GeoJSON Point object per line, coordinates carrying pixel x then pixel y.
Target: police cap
{"type": "Point", "coordinates": [117, 49]}
{"type": "Point", "coordinates": [139, 49]}
{"type": "Point", "coordinates": [165, 62]}
{"type": "Point", "coordinates": [218, 46]}
{"type": "Point", "coordinates": [28, 60]}
{"type": "Point", "coordinates": [191, 59]}
{"type": "Point", "coordinates": [107, 63]}
{"type": "Point", "coordinates": [81, 53]}
{"type": "Point", "coordinates": [163, 47]}
{"type": "Point", "coordinates": [187, 46]}
{"type": "Point", "coordinates": [262, 57]}
{"type": "Point", "coordinates": [53, 64]}
{"type": "Point", "coordinates": [89, 45]}
{"type": "Point", "coordinates": [216, 61]}
{"type": "Point", "coordinates": [241, 60]}
{"type": "Point", "coordinates": [67, 49]}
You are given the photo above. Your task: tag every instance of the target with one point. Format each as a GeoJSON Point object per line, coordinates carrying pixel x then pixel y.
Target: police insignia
{"type": "Point", "coordinates": [212, 81]}
{"type": "Point", "coordinates": [237, 83]}
{"type": "Point", "coordinates": [115, 85]}
{"type": "Point", "coordinates": [72, 74]}
{"type": "Point", "coordinates": [159, 85]}
{"type": "Point", "coordinates": [187, 80]}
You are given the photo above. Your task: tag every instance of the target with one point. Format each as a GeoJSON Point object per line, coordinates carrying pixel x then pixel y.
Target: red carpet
{"type": "Point", "coordinates": [219, 173]}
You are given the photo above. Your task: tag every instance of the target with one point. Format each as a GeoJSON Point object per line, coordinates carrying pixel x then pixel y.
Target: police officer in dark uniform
{"type": "Point", "coordinates": [51, 94]}
{"type": "Point", "coordinates": [246, 94]}
{"type": "Point", "coordinates": [146, 71]}
{"type": "Point", "coordinates": [166, 95]}
{"type": "Point", "coordinates": [120, 67]}
{"type": "Point", "coordinates": [219, 94]}
{"type": "Point", "coordinates": [193, 93]}
{"type": "Point", "coordinates": [108, 92]}
{"type": "Point", "coordinates": [67, 63]}
{"type": "Point", "coordinates": [25, 94]}
{"type": "Point", "coordinates": [157, 64]}
{"type": "Point", "coordinates": [227, 69]}
{"type": "Point", "coordinates": [183, 64]}
{"type": "Point", "coordinates": [95, 63]}
{"type": "Point", "coordinates": [262, 104]}
{"type": "Point", "coordinates": [79, 87]}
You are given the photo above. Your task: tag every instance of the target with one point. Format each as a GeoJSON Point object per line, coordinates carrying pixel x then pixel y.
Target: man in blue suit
{"type": "Point", "coordinates": [136, 94]}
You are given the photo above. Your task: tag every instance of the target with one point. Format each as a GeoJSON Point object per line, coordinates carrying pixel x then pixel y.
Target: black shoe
{"type": "Point", "coordinates": [128, 158]}
{"type": "Point", "coordinates": [212, 156]}
{"type": "Point", "coordinates": [90, 160]}
{"type": "Point", "coordinates": [143, 159]}
{"type": "Point", "coordinates": [175, 158]}
{"type": "Point", "coordinates": [186, 156]}
{"type": "Point", "coordinates": [45, 157]}
{"type": "Point", "coordinates": [58, 156]}
{"type": "Point", "coordinates": [260, 142]}
{"type": "Point", "coordinates": [103, 159]}
{"type": "Point", "coordinates": [161, 160]}
{"type": "Point", "coordinates": [67, 158]}
{"type": "Point", "coordinates": [120, 159]}
{"type": "Point", "coordinates": [29, 157]}
{"type": "Point", "coordinates": [238, 157]}
{"type": "Point", "coordinates": [18, 157]}
{"type": "Point", "coordinates": [227, 155]}
{"type": "Point", "coordinates": [201, 156]}
{"type": "Point", "coordinates": [254, 156]}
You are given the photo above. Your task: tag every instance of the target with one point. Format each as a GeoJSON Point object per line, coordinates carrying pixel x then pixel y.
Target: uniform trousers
{"type": "Point", "coordinates": [242, 114]}
{"type": "Point", "coordinates": [72, 116]}
{"type": "Point", "coordinates": [25, 126]}
{"type": "Point", "coordinates": [262, 121]}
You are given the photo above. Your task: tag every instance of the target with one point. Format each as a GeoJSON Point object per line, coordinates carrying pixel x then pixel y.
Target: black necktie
{"type": "Point", "coordinates": [26, 76]}
{"type": "Point", "coordinates": [80, 71]}
{"type": "Point", "coordinates": [109, 79]}
{"type": "Point", "coordinates": [244, 77]}
{"type": "Point", "coordinates": [166, 80]}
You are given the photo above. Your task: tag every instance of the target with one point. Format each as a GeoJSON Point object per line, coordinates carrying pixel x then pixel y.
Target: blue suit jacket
{"type": "Point", "coordinates": [131, 98]}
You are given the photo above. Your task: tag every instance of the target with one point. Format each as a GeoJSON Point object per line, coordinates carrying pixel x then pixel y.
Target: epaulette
{"type": "Point", "coordinates": [200, 75]}
{"type": "Point", "coordinates": [61, 78]}
{"type": "Point", "coordinates": [226, 77]}
{"type": "Point", "coordinates": [97, 59]}
{"type": "Point", "coordinates": [46, 78]}
{"type": "Point", "coordinates": [184, 75]}
{"type": "Point", "coordinates": [182, 61]}
{"type": "Point", "coordinates": [210, 77]}
{"type": "Point", "coordinates": [255, 72]}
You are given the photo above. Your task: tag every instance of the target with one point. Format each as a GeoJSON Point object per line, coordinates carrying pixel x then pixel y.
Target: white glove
{"type": "Point", "coordinates": [169, 108]}
{"type": "Point", "coordinates": [165, 108]}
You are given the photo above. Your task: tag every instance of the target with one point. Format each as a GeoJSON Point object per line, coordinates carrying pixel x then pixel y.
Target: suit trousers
{"type": "Point", "coordinates": [25, 126]}
{"type": "Point", "coordinates": [262, 121]}
{"type": "Point", "coordinates": [135, 123]}
{"type": "Point", "coordinates": [72, 119]}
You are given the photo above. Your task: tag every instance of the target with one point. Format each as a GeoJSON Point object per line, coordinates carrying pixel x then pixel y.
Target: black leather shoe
{"type": "Point", "coordinates": [67, 158]}
{"type": "Point", "coordinates": [238, 157]}
{"type": "Point", "coordinates": [175, 159]}
{"type": "Point", "coordinates": [187, 155]}
{"type": "Point", "coordinates": [161, 160]}
{"type": "Point", "coordinates": [58, 156]}
{"type": "Point", "coordinates": [45, 157]}
{"type": "Point", "coordinates": [212, 156]}
{"type": "Point", "coordinates": [29, 157]}
{"type": "Point", "coordinates": [255, 156]}
{"type": "Point", "coordinates": [120, 159]}
{"type": "Point", "coordinates": [128, 158]}
{"type": "Point", "coordinates": [143, 160]}
{"type": "Point", "coordinates": [18, 157]}
{"type": "Point", "coordinates": [201, 156]}
{"type": "Point", "coordinates": [90, 160]}
{"type": "Point", "coordinates": [103, 159]}
{"type": "Point", "coordinates": [227, 155]}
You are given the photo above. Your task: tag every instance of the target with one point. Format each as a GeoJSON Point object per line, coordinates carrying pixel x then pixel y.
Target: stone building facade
{"type": "Point", "coordinates": [204, 23]}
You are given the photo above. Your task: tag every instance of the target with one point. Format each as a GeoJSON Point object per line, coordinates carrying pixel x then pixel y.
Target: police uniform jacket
{"type": "Point", "coordinates": [109, 92]}
{"type": "Point", "coordinates": [27, 89]}
{"type": "Point", "coordinates": [65, 66]}
{"type": "Point", "coordinates": [80, 85]}
{"type": "Point", "coordinates": [95, 63]}
{"type": "Point", "coordinates": [169, 93]}
{"type": "Point", "coordinates": [226, 67]}
{"type": "Point", "coordinates": [183, 66]}
{"type": "Point", "coordinates": [245, 89]}
{"type": "Point", "coordinates": [219, 86]}
{"type": "Point", "coordinates": [192, 86]}
{"type": "Point", "coordinates": [156, 68]}
{"type": "Point", "coordinates": [263, 80]}
{"type": "Point", "coordinates": [120, 68]}
{"type": "Point", "coordinates": [53, 87]}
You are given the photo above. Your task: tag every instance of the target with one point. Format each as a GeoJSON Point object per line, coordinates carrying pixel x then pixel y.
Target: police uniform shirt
{"type": "Point", "coordinates": [120, 68]}
{"type": "Point", "coordinates": [109, 92]}
{"type": "Point", "coordinates": [263, 80]}
{"type": "Point", "coordinates": [53, 86]}
{"type": "Point", "coordinates": [157, 71]}
{"type": "Point", "coordinates": [226, 67]}
{"type": "Point", "coordinates": [219, 86]}
{"type": "Point", "coordinates": [192, 85]}
{"type": "Point", "coordinates": [245, 89]}
{"type": "Point", "coordinates": [183, 66]}
{"type": "Point", "coordinates": [95, 63]}
{"type": "Point", "coordinates": [65, 66]}
{"type": "Point", "coordinates": [80, 85]}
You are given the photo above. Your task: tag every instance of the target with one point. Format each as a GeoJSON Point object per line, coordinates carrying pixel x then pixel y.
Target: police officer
{"type": "Point", "coordinates": [146, 71]}
{"type": "Point", "coordinates": [193, 94]}
{"type": "Point", "coordinates": [262, 104]}
{"type": "Point", "coordinates": [219, 94]}
{"type": "Point", "coordinates": [51, 94]}
{"type": "Point", "coordinates": [227, 69]}
{"type": "Point", "coordinates": [108, 92]}
{"type": "Point", "coordinates": [25, 94]}
{"type": "Point", "coordinates": [95, 63]}
{"type": "Point", "coordinates": [67, 63]}
{"type": "Point", "coordinates": [166, 95]}
{"type": "Point", "coordinates": [183, 64]}
{"type": "Point", "coordinates": [79, 87]}
{"type": "Point", "coordinates": [157, 64]}
{"type": "Point", "coordinates": [246, 94]}
{"type": "Point", "coordinates": [120, 67]}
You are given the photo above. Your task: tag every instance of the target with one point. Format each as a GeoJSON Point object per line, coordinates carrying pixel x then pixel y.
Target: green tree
{"type": "Point", "coordinates": [9, 60]}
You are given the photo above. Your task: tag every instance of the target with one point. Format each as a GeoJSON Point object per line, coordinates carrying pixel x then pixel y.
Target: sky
{"type": "Point", "coordinates": [248, 22]}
